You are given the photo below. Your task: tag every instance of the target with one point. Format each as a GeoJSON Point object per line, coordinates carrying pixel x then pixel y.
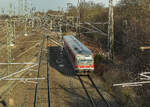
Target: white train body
{"type": "Point", "coordinates": [80, 57]}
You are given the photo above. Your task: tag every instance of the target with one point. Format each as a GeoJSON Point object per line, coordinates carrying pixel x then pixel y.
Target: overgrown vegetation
{"type": "Point", "coordinates": [132, 24]}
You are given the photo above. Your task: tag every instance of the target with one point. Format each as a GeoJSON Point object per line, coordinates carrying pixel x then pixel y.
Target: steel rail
{"type": "Point", "coordinates": [108, 105]}
{"type": "Point", "coordinates": [22, 70]}
{"type": "Point", "coordinates": [90, 98]}
{"type": "Point", "coordinates": [48, 76]}
{"type": "Point", "coordinates": [39, 66]}
{"type": "Point", "coordinates": [24, 63]}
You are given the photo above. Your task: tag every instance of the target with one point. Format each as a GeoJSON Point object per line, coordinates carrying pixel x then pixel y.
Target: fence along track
{"type": "Point", "coordinates": [95, 87]}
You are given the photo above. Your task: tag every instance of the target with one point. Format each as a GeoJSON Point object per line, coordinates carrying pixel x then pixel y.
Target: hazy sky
{"type": "Point", "coordinates": [47, 4]}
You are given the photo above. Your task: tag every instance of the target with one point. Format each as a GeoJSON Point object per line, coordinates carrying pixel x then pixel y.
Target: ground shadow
{"type": "Point", "coordinates": [77, 99]}
{"type": "Point", "coordinates": [55, 53]}
{"type": "Point", "coordinates": [59, 61]}
{"type": "Point", "coordinates": [81, 100]}
{"type": "Point", "coordinates": [3, 103]}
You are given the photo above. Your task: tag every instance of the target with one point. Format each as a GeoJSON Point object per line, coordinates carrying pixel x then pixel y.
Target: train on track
{"type": "Point", "coordinates": [81, 58]}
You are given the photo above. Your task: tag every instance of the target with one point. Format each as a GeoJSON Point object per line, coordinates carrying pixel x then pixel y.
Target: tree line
{"type": "Point", "coordinates": [131, 28]}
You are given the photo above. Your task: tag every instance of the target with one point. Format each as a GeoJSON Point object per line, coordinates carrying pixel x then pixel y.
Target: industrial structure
{"type": "Point", "coordinates": [43, 36]}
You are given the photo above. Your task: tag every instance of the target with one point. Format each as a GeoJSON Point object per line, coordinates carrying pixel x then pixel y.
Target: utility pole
{"type": "Point", "coordinates": [26, 17]}
{"type": "Point", "coordinates": [31, 15]}
{"type": "Point", "coordinates": [51, 24]}
{"type": "Point", "coordinates": [3, 10]}
{"type": "Point", "coordinates": [20, 7]}
{"type": "Point", "coordinates": [25, 7]}
{"type": "Point", "coordinates": [9, 37]}
{"type": "Point", "coordinates": [111, 32]}
{"type": "Point", "coordinates": [14, 7]}
{"type": "Point", "coordinates": [69, 5]}
{"type": "Point", "coordinates": [31, 9]}
{"type": "Point", "coordinates": [78, 19]}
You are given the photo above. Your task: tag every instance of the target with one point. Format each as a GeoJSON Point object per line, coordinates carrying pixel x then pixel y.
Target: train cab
{"type": "Point", "coordinates": [81, 58]}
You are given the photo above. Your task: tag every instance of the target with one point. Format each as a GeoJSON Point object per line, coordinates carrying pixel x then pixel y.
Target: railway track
{"type": "Point", "coordinates": [92, 101]}
{"type": "Point", "coordinates": [8, 87]}
{"type": "Point", "coordinates": [42, 97]}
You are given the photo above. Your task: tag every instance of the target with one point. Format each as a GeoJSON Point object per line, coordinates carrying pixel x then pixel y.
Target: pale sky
{"type": "Point", "coordinates": [47, 4]}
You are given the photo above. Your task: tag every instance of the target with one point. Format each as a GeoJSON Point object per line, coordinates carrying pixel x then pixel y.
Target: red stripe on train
{"type": "Point", "coordinates": [81, 66]}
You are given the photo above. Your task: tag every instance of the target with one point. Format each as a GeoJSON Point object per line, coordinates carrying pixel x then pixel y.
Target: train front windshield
{"type": "Point", "coordinates": [85, 61]}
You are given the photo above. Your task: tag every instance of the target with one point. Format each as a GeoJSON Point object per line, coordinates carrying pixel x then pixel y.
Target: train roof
{"type": "Point", "coordinates": [76, 45]}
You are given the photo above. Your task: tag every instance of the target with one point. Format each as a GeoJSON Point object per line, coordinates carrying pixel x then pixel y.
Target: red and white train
{"type": "Point", "coordinates": [81, 58]}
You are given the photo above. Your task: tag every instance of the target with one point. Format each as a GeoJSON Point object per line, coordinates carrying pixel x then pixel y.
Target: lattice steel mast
{"type": "Point", "coordinates": [78, 19]}
{"type": "Point", "coordinates": [20, 7]}
{"type": "Point", "coordinates": [9, 37]}
{"type": "Point", "coordinates": [26, 16]}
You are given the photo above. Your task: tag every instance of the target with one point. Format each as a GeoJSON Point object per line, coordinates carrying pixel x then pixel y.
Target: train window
{"type": "Point", "coordinates": [85, 62]}
{"type": "Point", "coordinates": [70, 54]}
{"type": "Point", "coordinates": [76, 48]}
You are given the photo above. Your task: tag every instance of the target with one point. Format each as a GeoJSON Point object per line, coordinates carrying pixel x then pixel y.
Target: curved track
{"type": "Point", "coordinates": [93, 102]}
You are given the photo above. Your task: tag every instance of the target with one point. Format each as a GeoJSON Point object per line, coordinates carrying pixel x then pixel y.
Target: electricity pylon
{"type": "Point", "coordinates": [20, 7]}
{"type": "Point", "coordinates": [2, 10]}
{"type": "Point", "coordinates": [111, 32]}
{"type": "Point", "coordinates": [26, 17]}
{"type": "Point", "coordinates": [9, 37]}
{"type": "Point", "coordinates": [78, 19]}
